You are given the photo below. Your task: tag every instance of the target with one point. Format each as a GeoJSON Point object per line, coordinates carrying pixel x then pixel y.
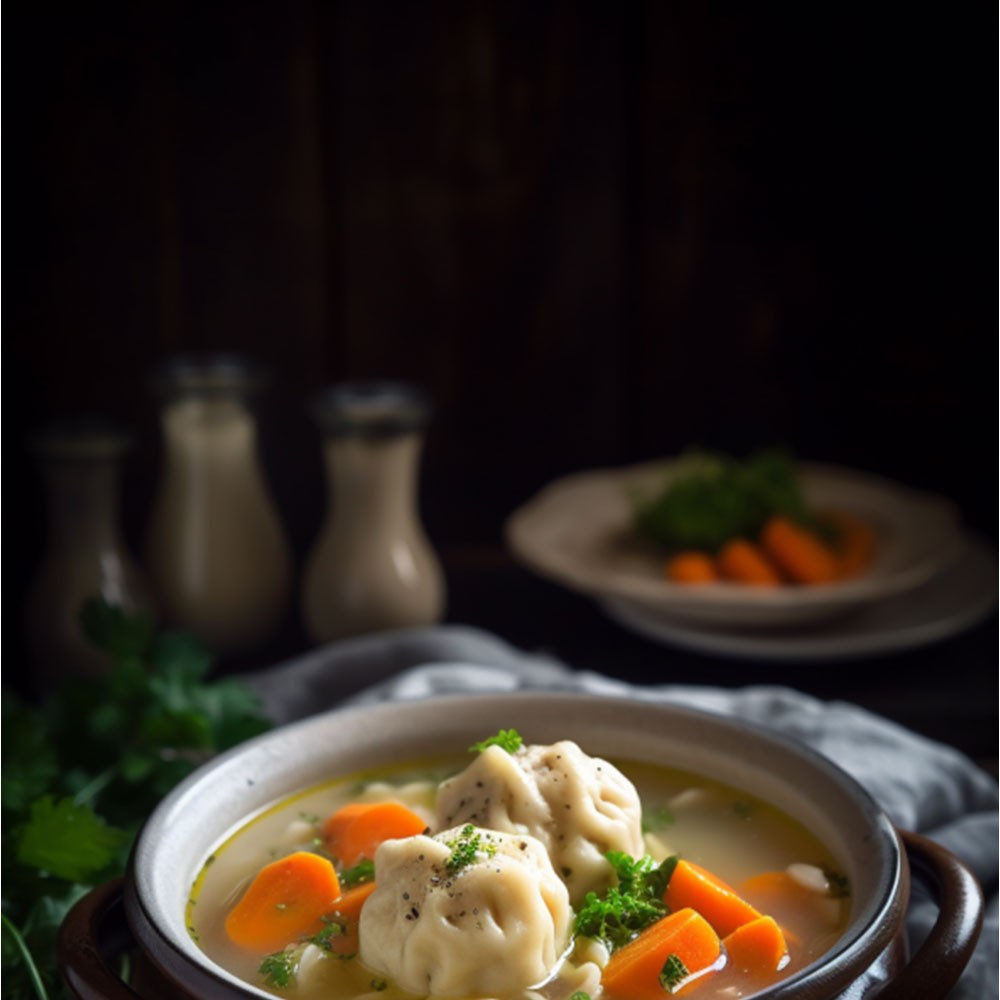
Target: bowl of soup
{"type": "Point", "coordinates": [529, 846]}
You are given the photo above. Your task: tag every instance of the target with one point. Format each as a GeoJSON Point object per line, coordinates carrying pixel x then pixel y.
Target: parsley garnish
{"type": "Point", "coordinates": [673, 973]}
{"type": "Point", "coordinates": [465, 847]}
{"type": "Point", "coordinates": [278, 969]}
{"type": "Point", "coordinates": [322, 939]}
{"type": "Point", "coordinates": [618, 915]}
{"type": "Point", "coordinates": [363, 871]}
{"type": "Point", "coordinates": [507, 739]}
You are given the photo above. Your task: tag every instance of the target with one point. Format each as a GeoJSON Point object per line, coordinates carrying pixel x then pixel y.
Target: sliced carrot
{"type": "Point", "coordinates": [286, 900]}
{"type": "Point", "coordinates": [854, 544]}
{"type": "Point", "coordinates": [337, 823]}
{"type": "Point", "coordinates": [692, 886]}
{"type": "Point", "coordinates": [757, 947]}
{"type": "Point", "coordinates": [355, 831]}
{"type": "Point", "coordinates": [788, 900]}
{"type": "Point", "coordinates": [797, 552]}
{"type": "Point", "coordinates": [743, 562]}
{"type": "Point", "coordinates": [662, 958]}
{"type": "Point", "coordinates": [347, 912]}
{"type": "Point", "coordinates": [691, 567]}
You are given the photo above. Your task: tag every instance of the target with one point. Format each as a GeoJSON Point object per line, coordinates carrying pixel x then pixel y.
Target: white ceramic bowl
{"type": "Point", "coordinates": [205, 809]}
{"type": "Point", "coordinates": [578, 532]}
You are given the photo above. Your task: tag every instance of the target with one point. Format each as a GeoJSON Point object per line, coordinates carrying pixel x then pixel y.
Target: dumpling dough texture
{"type": "Point", "coordinates": [494, 927]}
{"type": "Point", "coordinates": [578, 806]}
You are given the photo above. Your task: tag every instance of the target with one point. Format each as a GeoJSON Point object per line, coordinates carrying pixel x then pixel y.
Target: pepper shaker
{"type": "Point", "coordinates": [372, 566]}
{"type": "Point", "coordinates": [85, 555]}
{"type": "Point", "coordinates": [216, 553]}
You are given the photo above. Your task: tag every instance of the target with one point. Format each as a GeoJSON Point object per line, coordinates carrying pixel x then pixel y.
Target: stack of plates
{"type": "Point", "coordinates": [928, 579]}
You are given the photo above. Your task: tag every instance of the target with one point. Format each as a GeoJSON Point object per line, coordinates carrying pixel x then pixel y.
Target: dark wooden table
{"type": "Point", "coordinates": [946, 690]}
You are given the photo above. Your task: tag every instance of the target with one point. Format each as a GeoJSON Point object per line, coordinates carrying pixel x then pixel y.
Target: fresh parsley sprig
{"type": "Point", "coordinates": [619, 914]}
{"type": "Point", "coordinates": [507, 739]}
{"type": "Point", "coordinates": [81, 772]}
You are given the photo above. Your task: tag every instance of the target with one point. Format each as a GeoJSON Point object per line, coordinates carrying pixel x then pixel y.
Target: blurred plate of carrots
{"type": "Point", "coordinates": [963, 594]}
{"type": "Point", "coordinates": [659, 538]}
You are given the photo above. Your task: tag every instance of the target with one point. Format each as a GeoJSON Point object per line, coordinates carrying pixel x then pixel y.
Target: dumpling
{"type": "Point", "coordinates": [578, 806]}
{"type": "Point", "coordinates": [465, 912]}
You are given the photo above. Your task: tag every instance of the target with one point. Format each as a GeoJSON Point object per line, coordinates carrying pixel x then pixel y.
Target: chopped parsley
{"type": "Point", "coordinates": [465, 847]}
{"type": "Point", "coordinates": [618, 915]}
{"type": "Point", "coordinates": [278, 969]}
{"type": "Point", "coordinates": [363, 871]}
{"type": "Point", "coordinates": [673, 973]}
{"type": "Point", "coordinates": [507, 739]}
{"type": "Point", "coordinates": [322, 939]}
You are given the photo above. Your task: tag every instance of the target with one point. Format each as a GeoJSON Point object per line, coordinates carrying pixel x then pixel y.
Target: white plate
{"type": "Point", "coordinates": [578, 531]}
{"type": "Point", "coordinates": [956, 599]}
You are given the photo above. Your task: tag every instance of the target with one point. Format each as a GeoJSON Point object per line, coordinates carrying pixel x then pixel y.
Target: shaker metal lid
{"type": "Point", "coordinates": [374, 408]}
{"type": "Point", "coordinates": [208, 374]}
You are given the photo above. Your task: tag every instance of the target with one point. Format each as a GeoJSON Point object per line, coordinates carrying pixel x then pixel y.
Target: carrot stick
{"type": "Point", "coordinates": [286, 900]}
{"type": "Point", "coordinates": [743, 562]}
{"type": "Point", "coordinates": [757, 947]}
{"type": "Point", "coordinates": [691, 567]}
{"type": "Point", "coordinates": [692, 886]}
{"type": "Point", "coordinates": [854, 545]}
{"type": "Point", "coordinates": [797, 552]}
{"type": "Point", "coordinates": [355, 831]}
{"type": "Point", "coordinates": [347, 913]}
{"type": "Point", "coordinates": [662, 958]}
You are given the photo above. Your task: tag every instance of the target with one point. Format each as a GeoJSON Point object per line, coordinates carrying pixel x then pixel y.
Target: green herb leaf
{"type": "Point", "coordinates": [710, 498]}
{"type": "Point", "coordinates": [507, 739]}
{"type": "Point", "coordinates": [363, 871]}
{"type": "Point", "coordinates": [67, 840]}
{"type": "Point", "coordinates": [673, 973]}
{"type": "Point", "coordinates": [323, 939]}
{"type": "Point", "coordinates": [465, 847]}
{"type": "Point", "coordinates": [29, 764]}
{"type": "Point", "coordinates": [116, 631]}
{"type": "Point", "coordinates": [278, 969]}
{"type": "Point", "coordinates": [618, 915]}
{"type": "Point", "coordinates": [82, 771]}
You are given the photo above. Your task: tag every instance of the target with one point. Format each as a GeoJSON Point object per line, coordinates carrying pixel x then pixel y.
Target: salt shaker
{"type": "Point", "coordinates": [216, 553]}
{"type": "Point", "coordinates": [85, 555]}
{"type": "Point", "coordinates": [372, 566]}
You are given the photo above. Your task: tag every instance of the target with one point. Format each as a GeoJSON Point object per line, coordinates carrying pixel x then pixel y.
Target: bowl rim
{"type": "Point", "coordinates": [164, 937]}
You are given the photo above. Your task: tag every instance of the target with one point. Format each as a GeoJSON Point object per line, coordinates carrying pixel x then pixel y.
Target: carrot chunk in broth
{"type": "Point", "coordinates": [692, 886]}
{"type": "Point", "coordinates": [663, 958]}
{"type": "Point", "coordinates": [286, 900]}
{"type": "Point", "coordinates": [757, 947]}
{"type": "Point", "coordinates": [355, 831]}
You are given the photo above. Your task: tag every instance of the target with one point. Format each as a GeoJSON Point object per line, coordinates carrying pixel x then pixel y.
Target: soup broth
{"type": "Point", "coordinates": [762, 855]}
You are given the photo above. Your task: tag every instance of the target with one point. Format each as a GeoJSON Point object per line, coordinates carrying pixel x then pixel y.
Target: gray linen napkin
{"type": "Point", "coordinates": [923, 786]}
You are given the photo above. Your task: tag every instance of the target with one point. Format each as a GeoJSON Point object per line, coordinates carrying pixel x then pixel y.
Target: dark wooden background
{"type": "Point", "coordinates": [596, 232]}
